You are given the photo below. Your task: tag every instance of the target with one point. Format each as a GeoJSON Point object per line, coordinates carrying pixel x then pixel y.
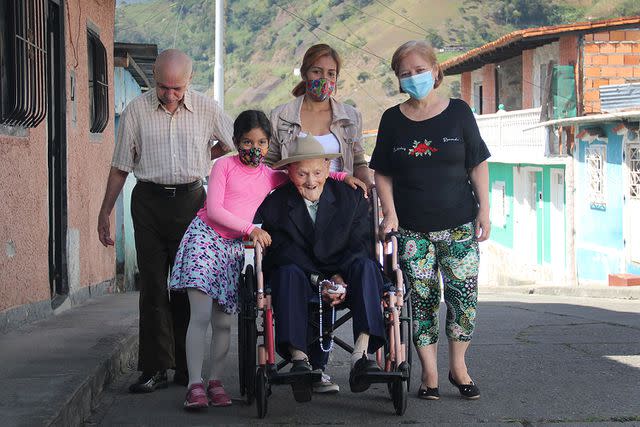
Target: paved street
{"type": "Point", "coordinates": [537, 360]}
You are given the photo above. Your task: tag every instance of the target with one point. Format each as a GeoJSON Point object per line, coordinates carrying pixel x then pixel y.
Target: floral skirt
{"type": "Point", "coordinates": [210, 263]}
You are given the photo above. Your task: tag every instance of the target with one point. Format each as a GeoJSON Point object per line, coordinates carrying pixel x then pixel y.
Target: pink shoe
{"type": "Point", "coordinates": [196, 397]}
{"type": "Point", "coordinates": [217, 395]}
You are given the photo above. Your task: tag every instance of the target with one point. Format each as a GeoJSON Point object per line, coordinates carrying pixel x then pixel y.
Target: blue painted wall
{"type": "Point", "coordinates": [126, 88]}
{"type": "Point", "coordinates": [600, 247]}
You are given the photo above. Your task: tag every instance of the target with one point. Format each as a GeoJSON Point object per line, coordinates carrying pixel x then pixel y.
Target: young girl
{"type": "Point", "coordinates": [211, 253]}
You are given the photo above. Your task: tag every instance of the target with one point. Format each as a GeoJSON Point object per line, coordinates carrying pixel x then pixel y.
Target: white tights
{"type": "Point", "coordinates": [205, 310]}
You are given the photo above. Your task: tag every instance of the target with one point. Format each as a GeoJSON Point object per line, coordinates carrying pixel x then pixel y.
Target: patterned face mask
{"type": "Point", "coordinates": [320, 89]}
{"type": "Point", "coordinates": [251, 156]}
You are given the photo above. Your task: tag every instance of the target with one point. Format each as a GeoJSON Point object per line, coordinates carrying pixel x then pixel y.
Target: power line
{"type": "Point", "coordinates": [160, 12]}
{"type": "Point", "coordinates": [403, 17]}
{"type": "Point", "coordinates": [384, 20]}
{"type": "Point", "coordinates": [317, 27]}
{"type": "Point", "coordinates": [178, 19]}
{"type": "Point", "coordinates": [380, 106]}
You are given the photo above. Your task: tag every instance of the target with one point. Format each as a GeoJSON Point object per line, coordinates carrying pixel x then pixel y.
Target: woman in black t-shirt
{"type": "Point", "coordinates": [432, 177]}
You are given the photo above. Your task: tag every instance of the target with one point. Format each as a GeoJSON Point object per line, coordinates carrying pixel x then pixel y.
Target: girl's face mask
{"type": "Point", "coordinates": [251, 156]}
{"type": "Point", "coordinates": [320, 89]}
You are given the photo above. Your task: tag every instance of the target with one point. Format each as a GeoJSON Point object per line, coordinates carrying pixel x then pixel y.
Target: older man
{"type": "Point", "coordinates": [166, 138]}
{"type": "Point", "coordinates": [320, 229]}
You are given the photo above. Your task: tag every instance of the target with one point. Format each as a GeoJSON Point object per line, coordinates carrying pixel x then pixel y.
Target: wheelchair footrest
{"type": "Point", "coordinates": [384, 377]}
{"type": "Point", "coordinates": [295, 377]}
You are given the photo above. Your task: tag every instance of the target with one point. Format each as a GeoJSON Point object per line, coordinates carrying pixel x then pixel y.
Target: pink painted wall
{"type": "Point", "coordinates": [24, 273]}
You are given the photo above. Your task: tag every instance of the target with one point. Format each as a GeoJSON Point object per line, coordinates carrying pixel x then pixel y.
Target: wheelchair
{"type": "Point", "coordinates": [258, 368]}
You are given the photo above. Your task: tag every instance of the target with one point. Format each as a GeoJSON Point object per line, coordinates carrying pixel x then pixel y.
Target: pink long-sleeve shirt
{"type": "Point", "coordinates": [235, 192]}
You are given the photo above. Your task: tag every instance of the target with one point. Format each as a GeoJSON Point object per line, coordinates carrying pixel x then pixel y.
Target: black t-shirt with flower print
{"type": "Point", "coordinates": [429, 163]}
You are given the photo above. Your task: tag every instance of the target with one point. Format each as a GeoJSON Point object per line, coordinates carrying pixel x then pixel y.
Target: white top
{"type": "Point", "coordinates": [331, 145]}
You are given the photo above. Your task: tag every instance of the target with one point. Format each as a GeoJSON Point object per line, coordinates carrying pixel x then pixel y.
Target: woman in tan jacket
{"type": "Point", "coordinates": [337, 126]}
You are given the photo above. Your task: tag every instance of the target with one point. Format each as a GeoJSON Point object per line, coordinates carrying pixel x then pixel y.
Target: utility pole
{"type": "Point", "coordinates": [218, 69]}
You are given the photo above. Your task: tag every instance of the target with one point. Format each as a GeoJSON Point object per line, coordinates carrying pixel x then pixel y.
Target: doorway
{"type": "Point", "coordinates": [57, 153]}
{"type": "Point", "coordinates": [557, 222]}
{"type": "Point", "coordinates": [632, 208]}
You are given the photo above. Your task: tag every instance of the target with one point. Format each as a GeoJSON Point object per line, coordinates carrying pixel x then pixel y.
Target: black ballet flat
{"type": "Point", "coordinates": [468, 391]}
{"type": "Point", "coordinates": [429, 393]}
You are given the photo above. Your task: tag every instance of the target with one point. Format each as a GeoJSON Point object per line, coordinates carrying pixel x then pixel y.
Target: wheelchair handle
{"type": "Point", "coordinates": [260, 297]}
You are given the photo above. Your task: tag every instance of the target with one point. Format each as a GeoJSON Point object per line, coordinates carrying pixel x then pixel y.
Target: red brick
{"type": "Point", "coordinates": [607, 48]}
{"type": "Point", "coordinates": [465, 87]}
{"type": "Point", "coordinates": [624, 72]}
{"type": "Point", "coordinates": [617, 36]}
{"type": "Point", "coordinates": [591, 48]}
{"type": "Point", "coordinates": [624, 48]}
{"type": "Point", "coordinates": [616, 60]}
{"type": "Point", "coordinates": [631, 59]}
{"type": "Point", "coordinates": [599, 59]}
{"type": "Point", "coordinates": [591, 95]}
{"type": "Point", "coordinates": [588, 37]}
{"type": "Point", "coordinates": [601, 37]}
{"type": "Point", "coordinates": [527, 77]}
{"type": "Point", "coordinates": [600, 82]}
{"type": "Point", "coordinates": [592, 71]}
{"type": "Point", "coordinates": [624, 280]}
{"type": "Point", "coordinates": [635, 48]}
{"type": "Point", "coordinates": [636, 72]}
{"type": "Point", "coordinates": [608, 72]}
{"type": "Point", "coordinates": [617, 81]}
{"type": "Point", "coordinates": [632, 35]}
{"type": "Point", "coordinates": [588, 83]}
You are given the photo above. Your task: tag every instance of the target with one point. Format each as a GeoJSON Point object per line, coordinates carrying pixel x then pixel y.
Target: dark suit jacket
{"type": "Point", "coordinates": [341, 234]}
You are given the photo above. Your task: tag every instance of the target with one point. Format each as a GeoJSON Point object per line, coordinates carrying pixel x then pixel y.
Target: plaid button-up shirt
{"type": "Point", "coordinates": [166, 148]}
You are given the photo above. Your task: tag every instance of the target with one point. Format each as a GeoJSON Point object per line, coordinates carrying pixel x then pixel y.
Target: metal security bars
{"type": "Point", "coordinates": [633, 159]}
{"type": "Point", "coordinates": [23, 62]}
{"type": "Point", "coordinates": [595, 157]}
{"type": "Point", "coordinates": [98, 84]}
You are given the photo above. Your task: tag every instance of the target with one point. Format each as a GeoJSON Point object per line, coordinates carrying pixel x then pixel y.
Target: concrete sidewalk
{"type": "Point", "coordinates": [53, 371]}
{"type": "Point", "coordinates": [615, 292]}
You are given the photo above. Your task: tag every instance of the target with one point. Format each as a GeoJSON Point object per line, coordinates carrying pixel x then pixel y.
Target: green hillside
{"type": "Point", "coordinates": [265, 39]}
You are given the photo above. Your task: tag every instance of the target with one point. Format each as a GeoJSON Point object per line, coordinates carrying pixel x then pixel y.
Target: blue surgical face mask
{"type": "Point", "coordinates": [418, 86]}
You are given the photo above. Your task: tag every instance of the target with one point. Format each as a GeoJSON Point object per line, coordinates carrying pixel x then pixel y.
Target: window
{"type": "Point", "coordinates": [633, 159]}
{"type": "Point", "coordinates": [499, 204]}
{"type": "Point", "coordinates": [98, 85]}
{"type": "Point", "coordinates": [22, 62]}
{"type": "Point", "coordinates": [595, 158]}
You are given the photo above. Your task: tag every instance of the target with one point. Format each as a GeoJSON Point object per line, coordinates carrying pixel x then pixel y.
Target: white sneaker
{"type": "Point", "coordinates": [325, 385]}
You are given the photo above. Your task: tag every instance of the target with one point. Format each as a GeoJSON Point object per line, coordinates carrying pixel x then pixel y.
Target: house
{"type": "Point", "coordinates": [133, 75]}
{"type": "Point", "coordinates": [534, 89]}
{"type": "Point", "coordinates": [56, 142]}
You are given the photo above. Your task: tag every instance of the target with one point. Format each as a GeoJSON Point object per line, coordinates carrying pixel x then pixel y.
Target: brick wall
{"type": "Point", "coordinates": [527, 79]}
{"type": "Point", "coordinates": [465, 87]}
{"type": "Point", "coordinates": [610, 57]}
{"type": "Point", "coordinates": [489, 89]}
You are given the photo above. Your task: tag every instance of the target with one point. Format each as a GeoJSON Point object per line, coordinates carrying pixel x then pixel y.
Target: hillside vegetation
{"type": "Point", "coordinates": [265, 39]}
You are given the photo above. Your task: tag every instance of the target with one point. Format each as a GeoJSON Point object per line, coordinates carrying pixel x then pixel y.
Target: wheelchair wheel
{"type": "Point", "coordinates": [247, 335]}
{"type": "Point", "coordinates": [399, 393]}
{"type": "Point", "coordinates": [261, 392]}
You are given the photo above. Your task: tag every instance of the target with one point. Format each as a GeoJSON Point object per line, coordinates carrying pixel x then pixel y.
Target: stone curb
{"type": "Point", "coordinates": [77, 408]}
{"type": "Point", "coordinates": [630, 293]}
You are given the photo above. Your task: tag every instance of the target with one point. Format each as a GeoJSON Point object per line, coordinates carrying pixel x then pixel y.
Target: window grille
{"type": "Point", "coordinates": [98, 84]}
{"type": "Point", "coordinates": [595, 157]}
{"type": "Point", "coordinates": [633, 158]}
{"type": "Point", "coordinates": [23, 59]}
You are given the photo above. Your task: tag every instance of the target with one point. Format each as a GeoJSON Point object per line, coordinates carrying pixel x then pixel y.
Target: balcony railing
{"type": "Point", "coordinates": [507, 139]}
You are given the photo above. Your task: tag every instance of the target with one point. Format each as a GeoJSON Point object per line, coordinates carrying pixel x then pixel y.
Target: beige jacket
{"type": "Point", "coordinates": [346, 126]}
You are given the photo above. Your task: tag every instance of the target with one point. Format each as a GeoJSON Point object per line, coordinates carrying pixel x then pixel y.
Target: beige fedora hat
{"type": "Point", "coordinates": [305, 147]}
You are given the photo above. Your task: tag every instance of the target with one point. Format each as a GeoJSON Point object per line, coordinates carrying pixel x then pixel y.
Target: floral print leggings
{"type": "Point", "coordinates": [455, 255]}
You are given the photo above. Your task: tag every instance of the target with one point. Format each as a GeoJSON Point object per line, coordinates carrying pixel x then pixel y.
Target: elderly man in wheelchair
{"type": "Point", "coordinates": [321, 245]}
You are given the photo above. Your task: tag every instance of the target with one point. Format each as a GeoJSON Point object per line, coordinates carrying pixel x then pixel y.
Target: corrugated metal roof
{"type": "Point", "coordinates": [620, 97]}
{"type": "Point", "coordinates": [513, 43]}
